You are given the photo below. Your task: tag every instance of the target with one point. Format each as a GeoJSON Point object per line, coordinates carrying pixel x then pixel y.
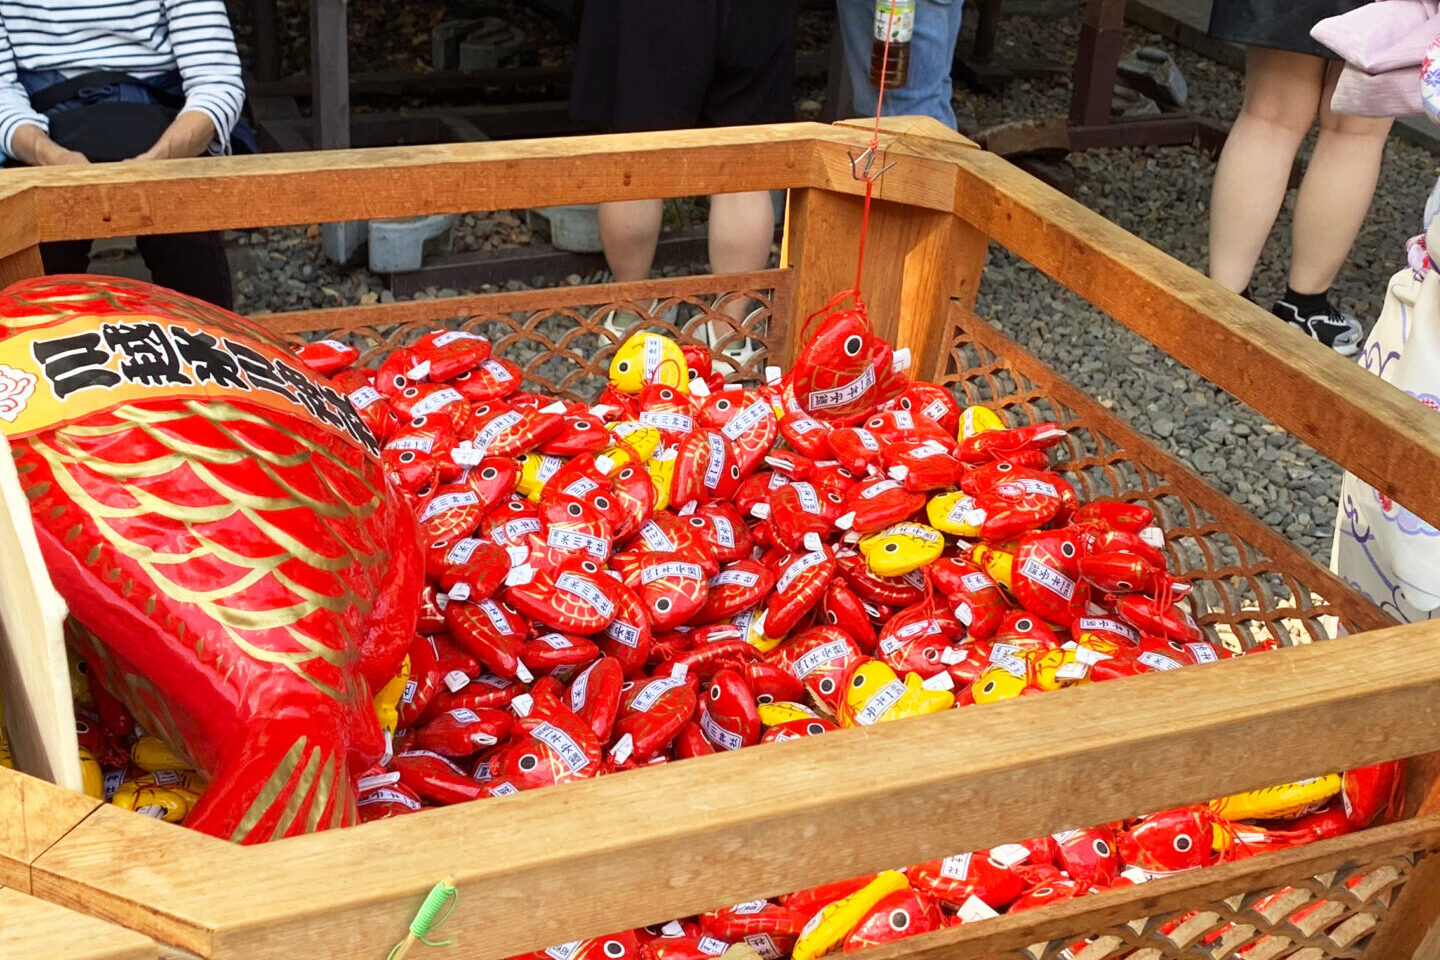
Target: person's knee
{"type": "Point", "coordinates": [1291, 114]}
{"type": "Point", "coordinates": [1349, 125]}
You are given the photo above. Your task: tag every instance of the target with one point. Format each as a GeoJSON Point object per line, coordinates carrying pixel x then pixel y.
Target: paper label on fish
{"type": "Point", "coordinates": [747, 419]}
{"type": "Point", "coordinates": [515, 529]}
{"type": "Point", "coordinates": [875, 489]}
{"type": "Point", "coordinates": [422, 444]}
{"type": "Point", "coordinates": [1089, 657]}
{"type": "Point", "coordinates": [445, 339]}
{"type": "Point", "coordinates": [712, 947]}
{"type": "Point", "coordinates": [556, 641]}
{"type": "Point", "coordinates": [496, 369]}
{"type": "Point", "coordinates": [580, 587]}
{"type": "Point", "coordinates": [457, 680]}
{"type": "Point", "coordinates": [364, 397]}
{"type": "Point", "coordinates": [960, 511]}
{"type": "Point", "coordinates": [716, 468]}
{"type": "Point", "coordinates": [564, 951]}
{"type": "Point", "coordinates": [1114, 626]}
{"type": "Point", "coordinates": [1157, 661]}
{"type": "Point", "coordinates": [1000, 651]}
{"type": "Point", "coordinates": [1032, 485]}
{"type": "Point", "coordinates": [740, 578]}
{"type": "Point", "coordinates": [411, 688]}
{"type": "Point", "coordinates": [655, 538]}
{"type": "Point", "coordinates": [724, 532]}
{"type": "Point", "coordinates": [809, 500]}
{"type": "Point", "coordinates": [463, 550]}
{"type": "Point", "coordinates": [496, 616]}
{"type": "Point", "coordinates": [956, 867]}
{"type": "Point", "coordinates": [764, 946]}
{"type": "Point", "coordinates": [549, 466]}
{"type": "Point", "coordinates": [717, 734]}
{"type": "Point", "coordinates": [750, 907]}
{"type": "Point", "coordinates": [503, 790]}
{"type": "Point", "coordinates": [821, 655]}
{"type": "Point", "coordinates": [843, 394]}
{"type": "Point", "coordinates": [438, 400]}
{"type": "Point", "coordinates": [875, 708]}
{"type": "Point", "coordinates": [803, 425]}
{"type": "Point", "coordinates": [388, 796]}
{"type": "Point", "coordinates": [936, 409]}
{"type": "Point", "coordinates": [449, 501]}
{"type": "Point", "coordinates": [653, 354]}
{"type": "Point", "coordinates": [1009, 854]}
{"type": "Point", "coordinates": [915, 530]}
{"type": "Point", "coordinates": [464, 715]}
{"type": "Point", "coordinates": [1065, 835]}
{"type": "Point", "coordinates": [672, 568]}
{"type": "Point", "coordinates": [494, 428]}
{"type": "Point", "coordinates": [902, 419]}
{"type": "Point", "coordinates": [623, 633]}
{"type": "Point", "coordinates": [563, 744]}
{"type": "Point", "coordinates": [1203, 652]}
{"type": "Point", "coordinates": [580, 689]}
{"type": "Point", "coordinates": [490, 680]}
{"type": "Point", "coordinates": [975, 582]}
{"type": "Point", "coordinates": [579, 487]}
{"type": "Point", "coordinates": [867, 440]}
{"type": "Point", "coordinates": [1049, 578]}
{"type": "Point", "coordinates": [664, 420]}
{"type": "Point", "coordinates": [597, 547]}
{"type": "Point", "coordinates": [1012, 665]}
{"type": "Point", "coordinates": [777, 480]}
{"type": "Point", "coordinates": [974, 909]}
{"type": "Point", "coordinates": [919, 628]}
{"type": "Point", "coordinates": [653, 691]}
{"type": "Point", "coordinates": [796, 568]}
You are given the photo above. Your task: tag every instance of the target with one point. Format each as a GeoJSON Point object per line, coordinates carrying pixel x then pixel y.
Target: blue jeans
{"type": "Point", "coordinates": [927, 92]}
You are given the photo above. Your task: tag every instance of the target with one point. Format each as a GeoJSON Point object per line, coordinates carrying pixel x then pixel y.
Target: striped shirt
{"type": "Point", "coordinates": [143, 38]}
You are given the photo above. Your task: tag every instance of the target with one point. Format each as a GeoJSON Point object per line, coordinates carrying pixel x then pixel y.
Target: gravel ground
{"type": "Point", "coordinates": [1161, 194]}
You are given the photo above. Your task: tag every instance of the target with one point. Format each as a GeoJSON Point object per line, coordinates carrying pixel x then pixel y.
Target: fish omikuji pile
{"type": "Point", "coordinates": [687, 567]}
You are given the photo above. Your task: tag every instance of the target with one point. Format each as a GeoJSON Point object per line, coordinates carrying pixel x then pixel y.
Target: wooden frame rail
{"type": "Point", "coordinates": [679, 839]}
{"type": "Point", "coordinates": [668, 841]}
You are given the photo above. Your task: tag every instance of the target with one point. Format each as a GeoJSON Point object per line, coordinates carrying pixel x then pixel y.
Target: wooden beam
{"type": "Point", "coordinates": [249, 191]}
{"type": "Point", "coordinates": [21, 265]}
{"type": "Point", "coordinates": [771, 819]}
{"type": "Point", "coordinates": [1411, 915]}
{"type": "Point", "coordinates": [1372, 429]}
{"type": "Point", "coordinates": [33, 816]}
{"type": "Point", "coordinates": [34, 674]}
{"type": "Point", "coordinates": [34, 928]}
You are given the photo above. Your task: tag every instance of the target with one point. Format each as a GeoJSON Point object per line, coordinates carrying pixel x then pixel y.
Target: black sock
{"type": "Point", "coordinates": [1308, 304]}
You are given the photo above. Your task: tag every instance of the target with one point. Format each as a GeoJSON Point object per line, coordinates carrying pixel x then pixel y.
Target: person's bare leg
{"type": "Point", "coordinates": [1335, 194]}
{"type": "Point", "coordinates": [629, 231]}
{"type": "Point", "coordinates": [1282, 96]}
{"type": "Point", "coordinates": [742, 229]}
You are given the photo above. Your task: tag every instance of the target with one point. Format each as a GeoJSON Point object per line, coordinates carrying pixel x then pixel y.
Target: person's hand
{"type": "Point", "coordinates": [54, 155]}
{"type": "Point", "coordinates": [157, 152]}
{"type": "Point", "coordinates": [32, 146]}
{"type": "Point", "coordinates": [187, 136]}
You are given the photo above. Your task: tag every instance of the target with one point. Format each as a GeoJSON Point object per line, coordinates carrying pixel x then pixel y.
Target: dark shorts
{"type": "Point", "coordinates": [1278, 24]}
{"type": "Point", "coordinates": [671, 64]}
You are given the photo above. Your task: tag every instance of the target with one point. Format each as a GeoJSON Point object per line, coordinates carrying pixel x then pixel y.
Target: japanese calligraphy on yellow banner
{"type": "Point", "coordinates": [54, 374]}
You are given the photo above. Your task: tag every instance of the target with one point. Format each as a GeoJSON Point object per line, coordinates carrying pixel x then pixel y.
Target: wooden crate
{"type": "Point", "coordinates": [588, 858]}
{"type": "Point", "coordinates": [34, 928]}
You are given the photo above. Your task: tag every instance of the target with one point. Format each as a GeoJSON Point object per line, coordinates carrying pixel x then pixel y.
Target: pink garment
{"type": "Point", "coordinates": [1382, 44]}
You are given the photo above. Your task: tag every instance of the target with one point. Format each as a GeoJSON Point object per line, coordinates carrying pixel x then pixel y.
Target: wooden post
{"type": "Point", "coordinates": [21, 265]}
{"type": "Point", "coordinates": [1101, 36]}
{"type": "Point", "coordinates": [34, 675]}
{"type": "Point", "coordinates": [264, 39]}
{"type": "Point", "coordinates": [330, 107]}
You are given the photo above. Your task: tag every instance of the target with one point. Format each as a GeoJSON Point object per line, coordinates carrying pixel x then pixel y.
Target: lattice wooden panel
{"type": "Point", "coordinates": [1328, 917]}
{"type": "Point", "coordinates": [564, 347]}
{"type": "Point", "coordinates": [1250, 584]}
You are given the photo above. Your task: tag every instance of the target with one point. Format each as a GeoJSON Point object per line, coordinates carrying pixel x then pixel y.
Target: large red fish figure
{"type": "Point", "coordinates": [215, 517]}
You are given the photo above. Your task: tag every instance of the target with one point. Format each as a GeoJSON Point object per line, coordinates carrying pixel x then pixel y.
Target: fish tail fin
{"type": "Point", "coordinates": [269, 788]}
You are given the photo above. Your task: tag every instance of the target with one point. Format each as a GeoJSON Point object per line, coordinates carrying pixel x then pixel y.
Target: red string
{"type": "Point", "coordinates": [874, 145]}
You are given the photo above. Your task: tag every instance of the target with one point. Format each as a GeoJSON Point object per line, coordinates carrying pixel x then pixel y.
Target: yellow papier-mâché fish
{"type": "Point", "coordinates": [901, 548]}
{"type": "Point", "coordinates": [874, 693]}
{"type": "Point", "coordinates": [647, 358]}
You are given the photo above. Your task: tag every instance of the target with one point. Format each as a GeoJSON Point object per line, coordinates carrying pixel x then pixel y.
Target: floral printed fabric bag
{"type": "Point", "coordinates": [1385, 551]}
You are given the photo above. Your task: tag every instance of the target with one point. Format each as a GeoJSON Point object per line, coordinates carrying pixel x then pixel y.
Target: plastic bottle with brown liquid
{"type": "Point", "coordinates": [902, 29]}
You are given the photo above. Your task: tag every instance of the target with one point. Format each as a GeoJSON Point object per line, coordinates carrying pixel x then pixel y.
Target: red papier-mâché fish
{"type": "Point", "coordinates": [216, 518]}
